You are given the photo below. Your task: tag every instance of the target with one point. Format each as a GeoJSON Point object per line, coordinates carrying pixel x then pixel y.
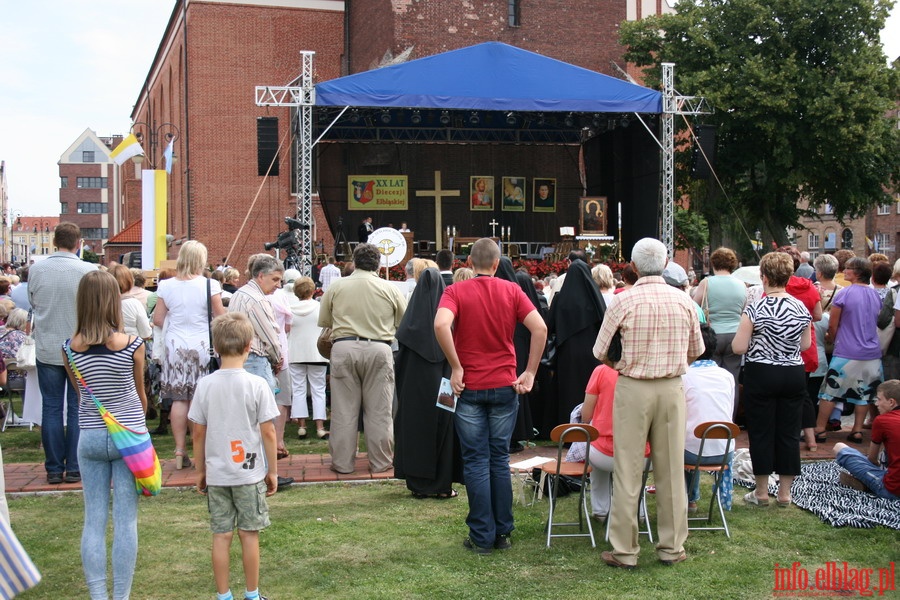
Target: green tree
{"type": "Point", "coordinates": [89, 256]}
{"type": "Point", "coordinates": [800, 90]}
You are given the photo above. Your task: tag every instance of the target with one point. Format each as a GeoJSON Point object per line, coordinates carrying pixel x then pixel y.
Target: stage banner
{"type": "Point", "coordinates": [378, 192]}
{"type": "Point", "coordinates": [154, 192]}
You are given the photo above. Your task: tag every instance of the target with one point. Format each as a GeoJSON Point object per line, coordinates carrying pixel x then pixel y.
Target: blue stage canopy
{"type": "Point", "coordinates": [489, 77]}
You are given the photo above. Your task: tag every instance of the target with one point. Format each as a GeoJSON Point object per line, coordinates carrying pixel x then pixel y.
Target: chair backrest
{"type": "Point", "coordinates": [717, 430]}
{"type": "Point", "coordinates": [574, 432]}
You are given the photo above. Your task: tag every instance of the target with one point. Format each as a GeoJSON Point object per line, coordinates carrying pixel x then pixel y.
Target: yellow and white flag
{"type": "Point", "coordinates": [129, 147]}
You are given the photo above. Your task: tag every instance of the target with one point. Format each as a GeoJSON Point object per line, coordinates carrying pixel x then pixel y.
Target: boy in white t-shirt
{"type": "Point", "coordinates": [234, 449]}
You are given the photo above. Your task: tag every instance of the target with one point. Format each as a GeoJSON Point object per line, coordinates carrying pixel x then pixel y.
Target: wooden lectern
{"type": "Point", "coordinates": [410, 249]}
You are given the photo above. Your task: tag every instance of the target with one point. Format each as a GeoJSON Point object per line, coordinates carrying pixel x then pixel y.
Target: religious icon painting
{"type": "Point", "coordinates": [544, 195]}
{"type": "Point", "coordinates": [592, 215]}
{"type": "Point", "coordinates": [513, 194]}
{"type": "Point", "coordinates": [481, 188]}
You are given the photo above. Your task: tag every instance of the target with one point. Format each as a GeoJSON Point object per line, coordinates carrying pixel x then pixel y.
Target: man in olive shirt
{"type": "Point", "coordinates": [364, 312]}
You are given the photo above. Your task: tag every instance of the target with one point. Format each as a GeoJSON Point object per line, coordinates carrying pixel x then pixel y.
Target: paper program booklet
{"type": "Point", "coordinates": [446, 399]}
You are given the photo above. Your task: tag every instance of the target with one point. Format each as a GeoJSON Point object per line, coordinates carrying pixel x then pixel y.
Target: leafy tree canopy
{"type": "Point", "coordinates": [800, 90]}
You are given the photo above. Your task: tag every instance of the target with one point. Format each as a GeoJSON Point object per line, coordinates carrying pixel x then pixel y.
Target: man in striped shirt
{"type": "Point", "coordinates": [660, 337]}
{"type": "Point", "coordinates": [52, 284]}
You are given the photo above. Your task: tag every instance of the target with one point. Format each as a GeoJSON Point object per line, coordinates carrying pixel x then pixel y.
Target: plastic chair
{"type": "Point", "coordinates": [562, 435]}
{"type": "Point", "coordinates": [713, 430]}
{"type": "Point", "coordinates": [642, 505]}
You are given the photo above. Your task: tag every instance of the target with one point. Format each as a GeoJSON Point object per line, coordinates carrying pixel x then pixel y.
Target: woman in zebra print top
{"type": "Point", "coordinates": [772, 333]}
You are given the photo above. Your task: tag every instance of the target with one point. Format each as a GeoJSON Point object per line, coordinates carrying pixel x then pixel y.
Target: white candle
{"type": "Point", "coordinates": [620, 215]}
{"type": "Point", "coordinates": [454, 231]}
{"type": "Point", "coordinates": [448, 231]}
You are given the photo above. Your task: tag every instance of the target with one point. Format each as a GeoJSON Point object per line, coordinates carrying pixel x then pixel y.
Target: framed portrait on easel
{"type": "Point", "coordinates": [513, 189]}
{"type": "Point", "coordinates": [544, 195]}
{"type": "Point", "coordinates": [592, 215]}
{"type": "Point", "coordinates": [481, 188]}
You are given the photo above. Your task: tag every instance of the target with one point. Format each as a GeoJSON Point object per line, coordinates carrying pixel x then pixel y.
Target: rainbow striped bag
{"type": "Point", "coordinates": [135, 446]}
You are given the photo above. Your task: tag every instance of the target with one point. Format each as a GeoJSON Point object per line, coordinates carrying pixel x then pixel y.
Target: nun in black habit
{"type": "Point", "coordinates": [576, 314]}
{"type": "Point", "coordinates": [426, 453]}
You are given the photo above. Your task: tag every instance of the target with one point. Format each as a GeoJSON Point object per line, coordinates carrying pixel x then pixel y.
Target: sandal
{"type": "Point", "coordinates": [752, 500]}
{"type": "Point", "coordinates": [282, 453]}
{"type": "Point", "coordinates": [783, 503]}
{"type": "Point", "coordinates": [181, 460]}
{"type": "Point", "coordinates": [821, 437]}
{"type": "Point", "coordinates": [855, 437]}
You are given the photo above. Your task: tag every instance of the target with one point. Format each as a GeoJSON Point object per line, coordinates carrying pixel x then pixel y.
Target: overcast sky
{"type": "Point", "coordinates": [71, 64]}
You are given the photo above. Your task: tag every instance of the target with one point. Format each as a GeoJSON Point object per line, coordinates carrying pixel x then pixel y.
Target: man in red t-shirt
{"type": "Point", "coordinates": [474, 325]}
{"type": "Point", "coordinates": [866, 470]}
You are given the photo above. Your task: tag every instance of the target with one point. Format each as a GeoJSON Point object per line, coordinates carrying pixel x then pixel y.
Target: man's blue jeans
{"type": "Point", "coordinates": [862, 468]}
{"type": "Point", "coordinates": [259, 365]}
{"type": "Point", "coordinates": [60, 443]}
{"type": "Point", "coordinates": [484, 424]}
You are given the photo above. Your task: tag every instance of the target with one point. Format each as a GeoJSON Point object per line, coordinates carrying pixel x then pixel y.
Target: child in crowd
{"type": "Point", "coordinates": [866, 472]}
{"type": "Point", "coordinates": [234, 446]}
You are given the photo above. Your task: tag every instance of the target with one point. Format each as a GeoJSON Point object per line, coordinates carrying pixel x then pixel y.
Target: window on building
{"type": "Point", "coordinates": [847, 239]}
{"type": "Point", "coordinates": [95, 233]}
{"type": "Point", "coordinates": [884, 209]}
{"type": "Point", "coordinates": [883, 242]}
{"type": "Point", "coordinates": [91, 208]}
{"type": "Point", "coordinates": [813, 240]}
{"type": "Point", "coordinates": [830, 240]}
{"type": "Point", "coordinates": [63, 208]}
{"type": "Point", "coordinates": [63, 182]}
{"type": "Point", "coordinates": [829, 209]}
{"type": "Point", "coordinates": [514, 17]}
{"type": "Point", "coordinates": [813, 254]}
{"type": "Point", "coordinates": [91, 182]}
{"type": "Point", "coordinates": [87, 156]}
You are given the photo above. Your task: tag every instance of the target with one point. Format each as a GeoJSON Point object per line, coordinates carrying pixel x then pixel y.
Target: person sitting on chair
{"type": "Point", "coordinates": [708, 396]}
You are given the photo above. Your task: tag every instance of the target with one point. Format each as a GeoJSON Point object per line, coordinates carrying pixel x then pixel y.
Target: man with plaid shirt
{"type": "Point", "coordinates": [660, 334]}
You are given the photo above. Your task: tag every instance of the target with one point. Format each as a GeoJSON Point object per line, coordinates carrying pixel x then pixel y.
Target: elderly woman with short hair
{"type": "Point", "coordinates": [772, 333]}
{"type": "Point", "coordinates": [826, 266]}
{"type": "Point", "coordinates": [723, 297]}
{"type": "Point", "coordinates": [603, 277]}
{"type": "Point", "coordinates": [11, 337]}
{"type": "Point", "coordinates": [855, 368]}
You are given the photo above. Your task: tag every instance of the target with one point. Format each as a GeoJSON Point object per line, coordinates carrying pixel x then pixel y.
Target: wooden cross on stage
{"type": "Point", "coordinates": [437, 193]}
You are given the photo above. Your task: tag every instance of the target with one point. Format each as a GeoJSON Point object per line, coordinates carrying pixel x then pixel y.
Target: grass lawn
{"type": "Point", "coordinates": [376, 541]}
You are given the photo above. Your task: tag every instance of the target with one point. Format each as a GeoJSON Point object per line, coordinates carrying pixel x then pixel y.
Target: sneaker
{"type": "Point", "coordinates": [502, 542]}
{"type": "Point", "coordinates": [468, 544]}
{"type": "Point", "coordinates": [692, 508]}
{"type": "Point", "coordinates": [301, 432]}
{"type": "Point", "coordinates": [284, 482]}
{"type": "Point", "coordinates": [850, 481]}
{"type": "Point", "coordinates": [72, 477]}
{"type": "Point", "coordinates": [54, 478]}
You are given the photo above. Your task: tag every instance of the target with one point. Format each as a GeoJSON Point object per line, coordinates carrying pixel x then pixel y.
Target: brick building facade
{"type": "Point", "coordinates": [213, 53]}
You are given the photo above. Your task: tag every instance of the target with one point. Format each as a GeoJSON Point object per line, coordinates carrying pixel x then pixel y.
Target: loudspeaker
{"type": "Point", "coordinates": [266, 145]}
{"type": "Point", "coordinates": [706, 139]}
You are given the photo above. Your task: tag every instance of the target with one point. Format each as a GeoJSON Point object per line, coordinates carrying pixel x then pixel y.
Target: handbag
{"type": "Point", "coordinates": [26, 356]}
{"type": "Point", "coordinates": [214, 362]}
{"type": "Point", "coordinates": [135, 446]}
{"type": "Point", "coordinates": [324, 343]}
{"type": "Point", "coordinates": [614, 352]}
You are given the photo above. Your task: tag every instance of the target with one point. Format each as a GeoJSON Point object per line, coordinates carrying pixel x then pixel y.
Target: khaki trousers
{"type": "Point", "coordinates": [648, 410]}
{"type": "Point", "coordinates": [362, 374]}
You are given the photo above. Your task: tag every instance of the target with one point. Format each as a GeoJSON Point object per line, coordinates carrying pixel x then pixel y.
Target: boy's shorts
{"type": "Point", "coordinates": [241, 506]}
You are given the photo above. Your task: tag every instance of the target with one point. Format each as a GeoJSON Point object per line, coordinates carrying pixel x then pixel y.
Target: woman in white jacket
{"type": "Point", "coordinates": [305, 361]}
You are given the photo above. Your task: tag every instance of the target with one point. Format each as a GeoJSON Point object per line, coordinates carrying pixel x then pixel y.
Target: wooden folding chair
{"type": "Point", "coordinates": [713, 430]}
{"type": "Point", "coordinates": [562, 435]}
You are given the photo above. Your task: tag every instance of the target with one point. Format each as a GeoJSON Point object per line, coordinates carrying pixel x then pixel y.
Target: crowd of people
{"type": "Point", "coordinates": [649, 351]}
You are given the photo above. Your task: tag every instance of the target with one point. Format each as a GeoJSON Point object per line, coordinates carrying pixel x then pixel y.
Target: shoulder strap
{"type": "Point", "coordinates": [209, 311]}
{"type": "Point", "coordinates": [80, 377]}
